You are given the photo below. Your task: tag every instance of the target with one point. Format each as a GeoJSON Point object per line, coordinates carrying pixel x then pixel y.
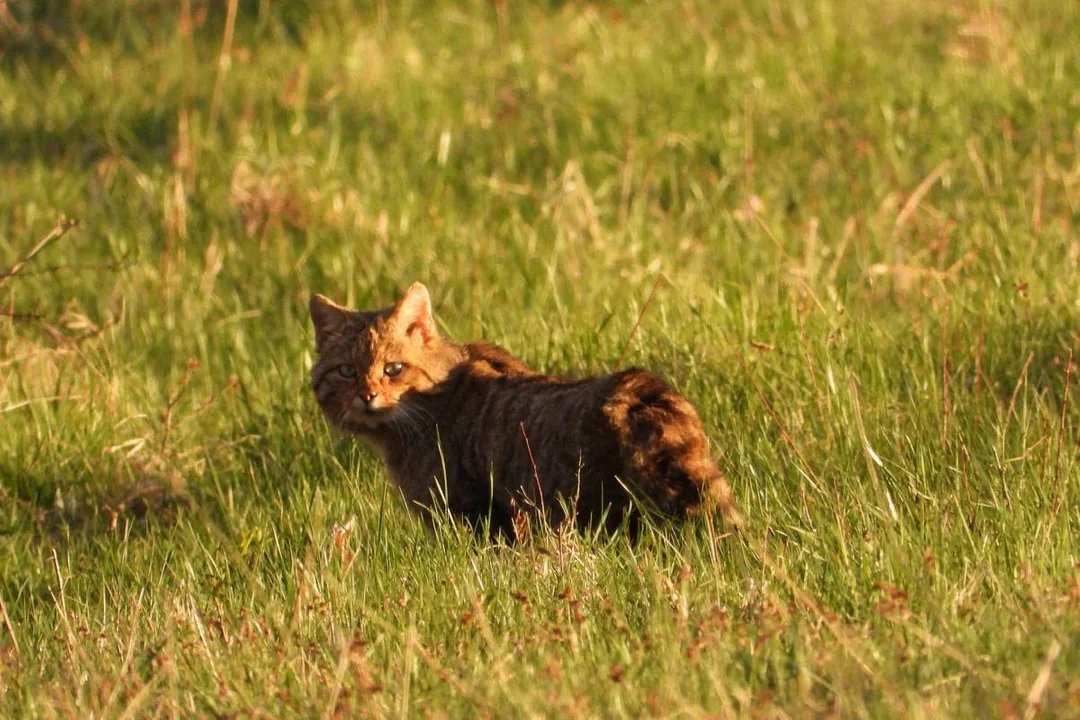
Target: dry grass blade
{"type": "Point", "coordinates": [637, 323]}
{"type": "Point", "coordinates": [63, 225]}
{"type": "Point", "coordinates": [129, 652]}
{"type": "Point", "coordinates": [1061, 428]}
{"type": "Point", "coordinates": [536, 472]}
{"type": "Point", "coordinates": [224, 57]}
{"type": "Point", "coordinates": [1042, 680]}
{"type": "Point", "coordinates": [140, 698]}
{"type": "Point", "coordinates": [7, 624]}
{"type": "Point", "coordinates": [912, 203]}
{"type": "Point", "coordinates": [873, 462]}
{"type": "Point", "coordinates": [1020, 381]}
{"type": "Point", "coordinates": [8, 20]}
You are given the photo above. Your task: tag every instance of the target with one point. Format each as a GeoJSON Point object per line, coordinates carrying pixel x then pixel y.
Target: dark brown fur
{"type": "Point", "coordinates": [473, 429]}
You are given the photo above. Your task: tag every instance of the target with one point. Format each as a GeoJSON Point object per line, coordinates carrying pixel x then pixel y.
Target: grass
{"type": "Point", "coordinates": [863, 220]}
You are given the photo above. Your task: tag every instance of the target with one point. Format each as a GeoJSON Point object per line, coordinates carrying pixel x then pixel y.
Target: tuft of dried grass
{"type": "Point", "coordinates": [268, 201]}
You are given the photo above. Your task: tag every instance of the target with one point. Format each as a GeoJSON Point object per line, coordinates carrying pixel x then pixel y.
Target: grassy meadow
{"type": "Point", "coordinates": [848, 231]}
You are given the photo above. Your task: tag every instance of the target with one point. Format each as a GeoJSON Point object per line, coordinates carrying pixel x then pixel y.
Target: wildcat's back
{"type": "Point", "coordinates": [521, 440]}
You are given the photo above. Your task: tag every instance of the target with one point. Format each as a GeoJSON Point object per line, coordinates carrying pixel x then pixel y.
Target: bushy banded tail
{"type": "Point", "coordinates": [664, 448]}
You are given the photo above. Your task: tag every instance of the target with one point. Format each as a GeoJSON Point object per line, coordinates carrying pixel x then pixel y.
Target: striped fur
{"type": "Point", "coordinates": [472, 429]}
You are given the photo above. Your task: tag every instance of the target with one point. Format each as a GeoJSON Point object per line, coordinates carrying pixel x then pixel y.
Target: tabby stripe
{"type": "Point", "coordinates": [319, 378]}
{"type": "Point", "coordinates": [425, 374]}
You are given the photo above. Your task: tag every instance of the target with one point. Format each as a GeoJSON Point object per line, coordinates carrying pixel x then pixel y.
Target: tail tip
{"type": "Point", "coordinates": [718, 498]}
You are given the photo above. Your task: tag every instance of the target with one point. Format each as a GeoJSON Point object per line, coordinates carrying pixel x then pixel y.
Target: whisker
{"type": "Point", "coordinates": [408, 421]}
{"type": "Point", "coordinates": [416, 419]}
{"type": "Point", "coordinates": [422, 413]}
{"type": "Point", "coordinates": [397, 428]}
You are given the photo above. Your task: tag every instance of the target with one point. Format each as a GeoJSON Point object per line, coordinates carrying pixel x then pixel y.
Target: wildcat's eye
{"type": "Point", "coordinates": [347, 370]}
{"type": "Point", "coordinates": [393, 369]}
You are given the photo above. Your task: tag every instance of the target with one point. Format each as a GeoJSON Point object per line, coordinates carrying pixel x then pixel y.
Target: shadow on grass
{"type": "Point", "coordinates": [1027, 353]}
{"type": "Point", "coordinates": [147, 135]}
{"type": "Point", "coordinates": [131, 500]}
{"type": "Point", "coordinates": [43, 32]}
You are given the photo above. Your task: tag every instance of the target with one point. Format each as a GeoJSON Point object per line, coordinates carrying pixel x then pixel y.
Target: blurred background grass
{"type": "Point", "coordinates": [859, 221]}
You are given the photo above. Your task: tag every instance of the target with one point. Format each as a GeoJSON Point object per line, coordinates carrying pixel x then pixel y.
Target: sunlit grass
{"type": "Point", "coordinates": [862, 218]}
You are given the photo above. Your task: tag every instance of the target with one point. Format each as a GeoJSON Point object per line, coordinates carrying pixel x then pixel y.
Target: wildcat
{"type": "Point", "coordinates": [472, 429]}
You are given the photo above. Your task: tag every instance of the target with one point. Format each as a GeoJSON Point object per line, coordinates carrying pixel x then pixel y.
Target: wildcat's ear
{"type": "Point", "coordinates": [329, 320]}
{"type": "Point", "coordinates": [413, 312]}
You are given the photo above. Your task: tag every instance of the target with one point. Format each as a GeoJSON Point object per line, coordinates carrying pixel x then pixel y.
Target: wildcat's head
{"type": "Point", "coordinates": [372, 363]}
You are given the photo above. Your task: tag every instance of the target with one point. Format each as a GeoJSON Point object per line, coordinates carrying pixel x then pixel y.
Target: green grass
{"type": "Point", "coordinates": [865, 217]}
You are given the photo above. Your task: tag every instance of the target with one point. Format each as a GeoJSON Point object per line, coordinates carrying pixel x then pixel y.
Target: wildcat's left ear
{"type": "Point", "coordinates": [329, 319]}
{"type": "Point", "coordinates": [413, 312]}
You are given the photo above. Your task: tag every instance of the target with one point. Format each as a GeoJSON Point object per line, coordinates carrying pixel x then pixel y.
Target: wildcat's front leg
{"type": "Point", "coordinates": [432, 491]}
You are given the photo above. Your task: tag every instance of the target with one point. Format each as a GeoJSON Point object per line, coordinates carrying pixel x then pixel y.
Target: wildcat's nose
{"type": "Point", "coordinates": [367, 397]}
